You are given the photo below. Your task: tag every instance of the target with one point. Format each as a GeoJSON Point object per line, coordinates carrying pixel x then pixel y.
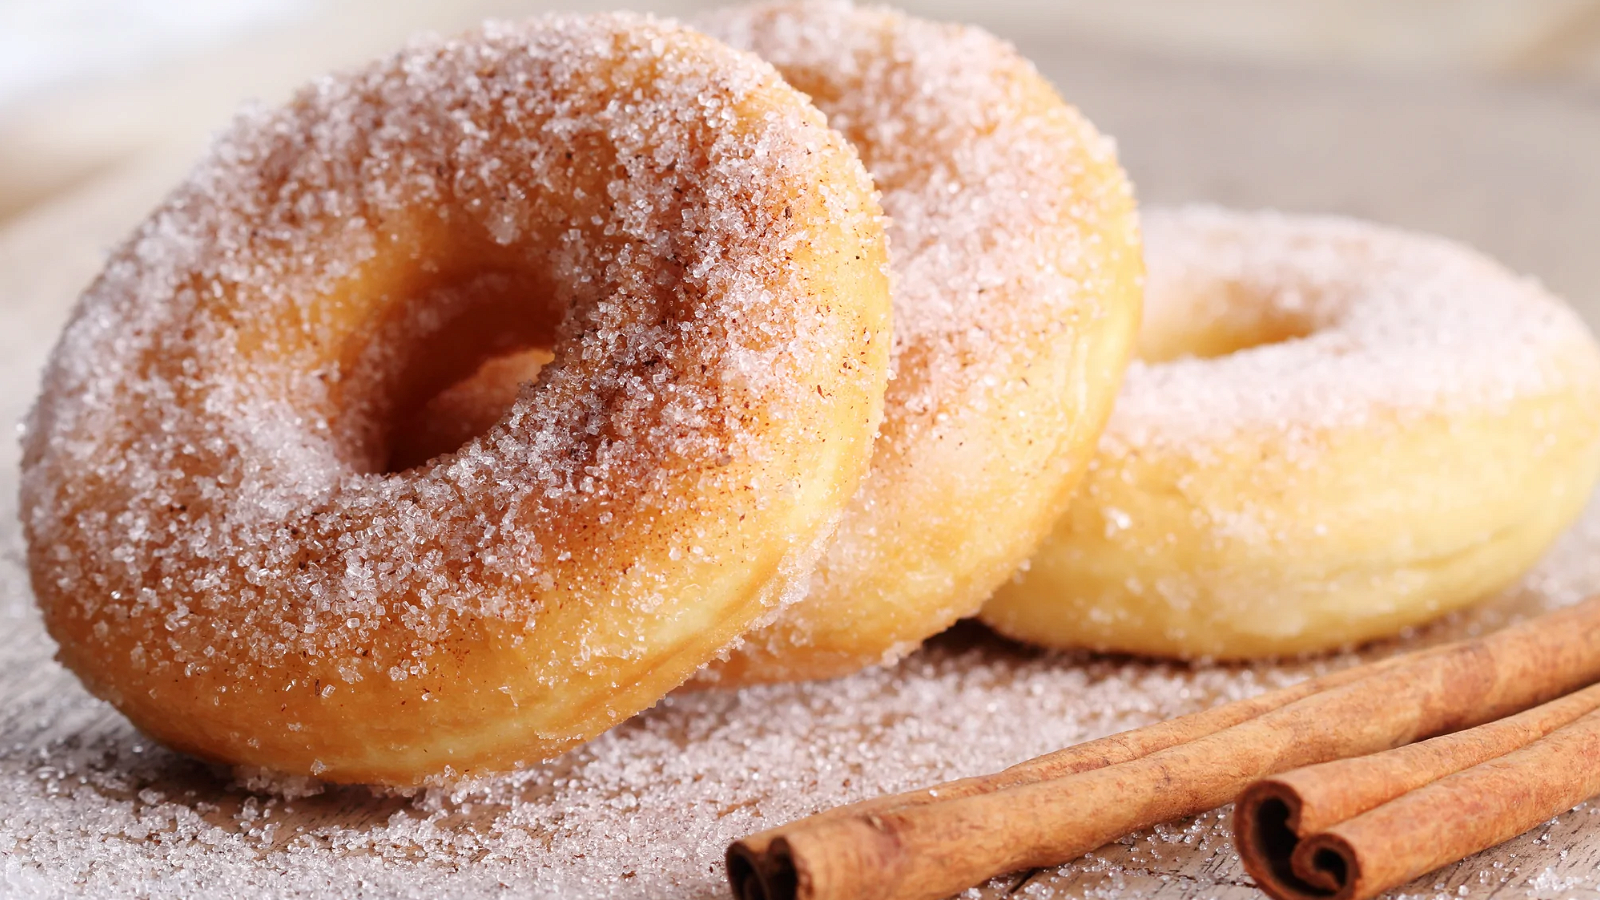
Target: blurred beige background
{"type": "Point", "coordinates": [1479, 119]}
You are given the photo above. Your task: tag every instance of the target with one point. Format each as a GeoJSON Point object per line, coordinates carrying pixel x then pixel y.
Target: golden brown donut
{"type": "Point", "coordinates": [1335, 431]}
{"type": "Point", "coordinates": [217, 537]}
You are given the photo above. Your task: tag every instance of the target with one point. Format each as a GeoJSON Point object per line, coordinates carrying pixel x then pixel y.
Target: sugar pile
{"type": "Point", "coordinates": [90, 808]}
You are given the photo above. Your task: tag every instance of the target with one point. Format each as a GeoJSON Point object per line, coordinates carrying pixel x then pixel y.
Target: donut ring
{"type": "Point", "coordinates": [1339, 431]}
{"type": "Point", "coordinates": [1013, 320]}
{"type": "Point", "coordinates": [1015, 248]}
{"type": "Point", "coordinates": [213, 535]}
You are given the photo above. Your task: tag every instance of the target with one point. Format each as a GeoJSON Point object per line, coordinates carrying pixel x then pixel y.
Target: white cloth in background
{"type": "Point", "coordinates": [45, 43]}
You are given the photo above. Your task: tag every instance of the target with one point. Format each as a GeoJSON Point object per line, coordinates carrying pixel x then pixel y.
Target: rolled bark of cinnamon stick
{"type": "Point", "coordinates": [1274, 815]}
{"type": "Point", "coordinates": [941, 843]}
{"type": "Point", "coordinates": [1449, 819]}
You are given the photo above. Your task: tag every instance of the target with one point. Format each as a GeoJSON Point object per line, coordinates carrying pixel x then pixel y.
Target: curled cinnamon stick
{"type": "Point", "coordinates": [931, 844]}
{"type": "Point", "coordinates": [1272, 815]}
{"type": "Point", "coordinates": [1399, 815]}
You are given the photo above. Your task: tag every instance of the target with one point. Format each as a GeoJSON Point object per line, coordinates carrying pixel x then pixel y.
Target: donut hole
{"type": "Point", "coordinates": [1206, 321]}
{"type": "Point", "coordinates": [444, 366]}
{"type": "Point", "coordinates": [458, 412]}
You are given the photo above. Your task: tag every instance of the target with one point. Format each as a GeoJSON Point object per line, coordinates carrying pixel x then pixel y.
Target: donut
{"type": "Point", "coordinates": [217, 535]}
{"type": "Point", "coordinates": [1015, 249]}
{"type": "Point", "coordinates": [1016, 258]}
{"type": "Point", "coordinates": [1334, 431]}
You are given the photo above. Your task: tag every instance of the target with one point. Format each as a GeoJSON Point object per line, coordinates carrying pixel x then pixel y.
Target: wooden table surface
{"type": "Point", "coordinates": [87, 808]}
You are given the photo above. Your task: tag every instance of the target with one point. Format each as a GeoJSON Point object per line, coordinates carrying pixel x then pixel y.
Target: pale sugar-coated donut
{"type": "Point", "coordinates": [1337, 430]}
{"type": "Point", "coordinates": [219, 536]}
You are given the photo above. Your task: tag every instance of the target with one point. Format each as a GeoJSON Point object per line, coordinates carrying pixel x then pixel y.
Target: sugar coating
{"type": "Point", "coordinates": [975, 180]}
{"type": "Point", "coordinates": [1377, 323]}
{"type": "Point", "coordinates": [205, 488]}
{"type": "Point", "coordinates": [90, 808]}
{"type": "Point", "coordinates": [1007, 217]}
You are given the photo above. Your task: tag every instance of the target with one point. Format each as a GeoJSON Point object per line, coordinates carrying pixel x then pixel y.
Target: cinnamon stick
{"type": "Point", "coordinates": [1469, 808]}
{"type": "Point", "coordinates": [931, 844]}
{"type": "Point", "coordinates": [746, 855]}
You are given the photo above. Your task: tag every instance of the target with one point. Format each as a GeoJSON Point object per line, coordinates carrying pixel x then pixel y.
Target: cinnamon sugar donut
{"type": "Point", "coordinates": [1015, 248]}
{"type": "Point", "coordinates": [1016, 256]}
{"type": "Point", "coordinates": [1337, 431]}
{"type": "Point", "coordinates": [216, 536]}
